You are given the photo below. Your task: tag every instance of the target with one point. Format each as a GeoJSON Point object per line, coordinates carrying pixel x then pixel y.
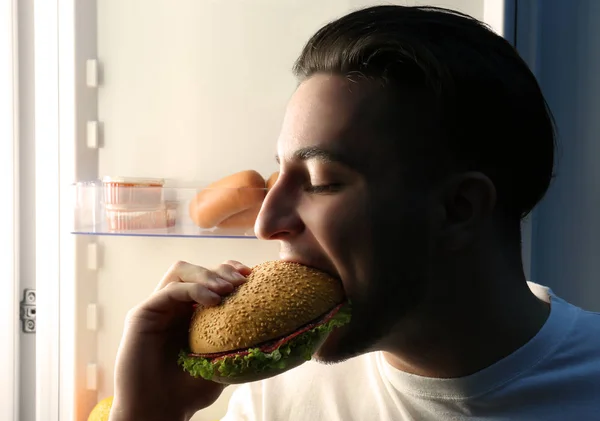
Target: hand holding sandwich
{"type": "Point", "coordinates": [148, 382]}
{"type": "Point", "coordinates": [250, 324]}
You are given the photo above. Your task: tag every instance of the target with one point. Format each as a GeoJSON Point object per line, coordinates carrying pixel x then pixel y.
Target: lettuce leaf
{"type": "Point", "coordinates": [303, 345]}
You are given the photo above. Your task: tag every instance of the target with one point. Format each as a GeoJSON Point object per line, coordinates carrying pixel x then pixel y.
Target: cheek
{"type": "Point", "coordinates": [342, 228]}
{"type": "Point", "coordinates": [336, 220]}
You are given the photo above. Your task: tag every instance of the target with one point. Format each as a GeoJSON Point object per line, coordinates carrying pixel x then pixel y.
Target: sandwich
{"type": "Point", "coordinates": [273, 322]}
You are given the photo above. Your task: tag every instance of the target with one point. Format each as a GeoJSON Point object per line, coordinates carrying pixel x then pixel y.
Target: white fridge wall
{"type": "Point", "coordinates": [198, 91]}
{"type": "Point", "coordinates": [190, 90]}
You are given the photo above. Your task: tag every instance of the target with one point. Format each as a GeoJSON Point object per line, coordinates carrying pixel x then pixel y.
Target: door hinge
{"type": "Point", "coordinates": [28, 311]}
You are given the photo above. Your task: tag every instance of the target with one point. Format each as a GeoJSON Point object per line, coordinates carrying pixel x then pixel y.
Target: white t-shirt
{"type": "Point", "coordinates": [555, 376]}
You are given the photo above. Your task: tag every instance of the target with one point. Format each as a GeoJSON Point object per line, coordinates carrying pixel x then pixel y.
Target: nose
{"type": "Point", "coordinates": [278, 217]}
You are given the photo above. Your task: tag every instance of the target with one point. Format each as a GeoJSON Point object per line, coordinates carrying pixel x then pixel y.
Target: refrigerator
{"type": "Point", "coordinates": [186, 93]}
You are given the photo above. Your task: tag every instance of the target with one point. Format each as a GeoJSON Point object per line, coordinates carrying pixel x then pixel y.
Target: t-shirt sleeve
{"type": "Point", "coordinates": [245, 403]}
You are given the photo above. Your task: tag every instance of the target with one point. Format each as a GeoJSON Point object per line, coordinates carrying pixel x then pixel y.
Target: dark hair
{"type": "Point", "coordinates": [486, 106]}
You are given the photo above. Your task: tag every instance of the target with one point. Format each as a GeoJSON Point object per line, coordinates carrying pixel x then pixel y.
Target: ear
{"type": "Point", "coordinates": [468, 200]}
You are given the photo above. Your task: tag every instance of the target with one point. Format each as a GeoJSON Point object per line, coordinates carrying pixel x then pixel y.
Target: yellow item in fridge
{"type": "Point", "coordinates": [101, 411]}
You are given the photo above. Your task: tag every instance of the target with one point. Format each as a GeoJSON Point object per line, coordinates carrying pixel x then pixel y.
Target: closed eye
{"type": "Point", "coordinates": [324, 188]}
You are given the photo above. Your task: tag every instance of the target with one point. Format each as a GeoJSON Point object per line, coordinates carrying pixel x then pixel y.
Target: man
{"type": "Point", "coordinates": [413, 146]}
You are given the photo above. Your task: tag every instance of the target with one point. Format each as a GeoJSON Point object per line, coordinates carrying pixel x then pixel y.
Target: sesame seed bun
{"type": "Point", "coordinates": [277, 298]}
{"type": "Point", "coordinates": [271, 323]}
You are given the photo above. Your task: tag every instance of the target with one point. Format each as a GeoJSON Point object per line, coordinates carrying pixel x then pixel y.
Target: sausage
{"type": "Point", "coordinates": [227, 197]}
{"type": "Point", "coordinates": [272, 179]}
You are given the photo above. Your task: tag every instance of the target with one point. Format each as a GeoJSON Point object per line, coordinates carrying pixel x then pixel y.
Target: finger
{"type": "Point", "coordinates": [240, 267]}
{"type": "Point", "coordinates": [175, 294]}
{"type": "Point", "coordinates": [231, 274]}
{"type": "Point", "coordinates": [218, 284]}
{"type": "Point", "coordinates": [184, 272]}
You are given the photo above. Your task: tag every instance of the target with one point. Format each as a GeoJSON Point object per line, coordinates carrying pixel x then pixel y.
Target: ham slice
{"type": "Point", "coordinates": [272, 345]}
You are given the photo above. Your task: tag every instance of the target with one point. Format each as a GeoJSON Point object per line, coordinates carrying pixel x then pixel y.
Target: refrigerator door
{"type": "Point", "coordinates": [17, 233]}
{"type": "Point", "coordinates": [9, 280]}
{"type": "Point", "coordinates": [187, 91]}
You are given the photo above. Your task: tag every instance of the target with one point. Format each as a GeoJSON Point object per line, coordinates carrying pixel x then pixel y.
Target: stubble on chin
{"type": "Point", "coordinates": [341, 345]}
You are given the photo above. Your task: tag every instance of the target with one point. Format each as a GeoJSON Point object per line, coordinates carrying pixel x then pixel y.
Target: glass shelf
{"type": "Point", "coordinates": [101, 208]}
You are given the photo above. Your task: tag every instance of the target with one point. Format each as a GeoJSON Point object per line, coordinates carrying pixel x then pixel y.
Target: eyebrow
{"type": "Point", "coordinates": [313, 152]}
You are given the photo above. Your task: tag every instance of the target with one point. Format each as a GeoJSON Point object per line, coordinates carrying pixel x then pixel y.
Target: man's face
{"type": "Point", "coordinates": [340, 204]}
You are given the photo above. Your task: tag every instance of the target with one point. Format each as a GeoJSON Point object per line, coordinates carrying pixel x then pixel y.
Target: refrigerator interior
{"type": "Point", "coordinates": [190, 91]}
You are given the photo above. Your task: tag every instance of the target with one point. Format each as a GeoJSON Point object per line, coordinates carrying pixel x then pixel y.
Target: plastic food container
{"type": "Point", "coordinates": [129, 219]}
{"type": "Point", "coordinates": [133, 192]}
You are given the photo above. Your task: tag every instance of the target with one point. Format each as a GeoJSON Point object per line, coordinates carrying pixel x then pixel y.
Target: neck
{"type": "Point", "coordinates": [468, 326]}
